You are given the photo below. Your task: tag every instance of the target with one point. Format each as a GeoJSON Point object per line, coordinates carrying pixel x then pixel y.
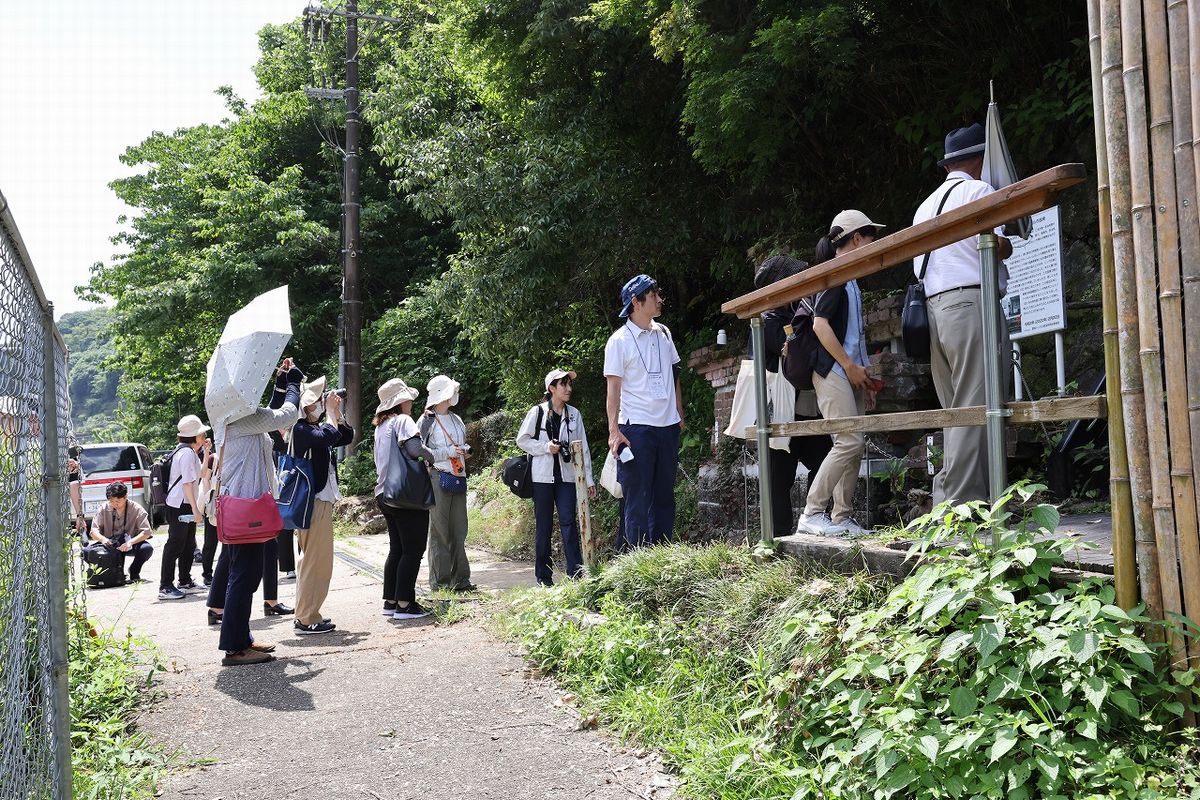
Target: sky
{"type": "Point", "coordinates": [81, 80]}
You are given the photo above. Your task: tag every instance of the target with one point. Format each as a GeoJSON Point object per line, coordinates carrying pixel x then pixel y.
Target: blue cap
{"type": "Point", "coordinates": [634, 286]}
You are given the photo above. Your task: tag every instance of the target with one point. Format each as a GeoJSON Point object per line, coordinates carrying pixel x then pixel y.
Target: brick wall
{"type": "Point", "coordinates": [720, 369]}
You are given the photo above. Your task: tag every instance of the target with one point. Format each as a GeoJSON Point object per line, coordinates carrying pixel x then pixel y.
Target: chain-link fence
{"type": "Point", "coordinates": [34, 716]}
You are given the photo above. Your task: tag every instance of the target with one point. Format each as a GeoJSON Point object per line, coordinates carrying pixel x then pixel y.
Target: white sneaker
{"type": "Point", "coordinates": [852, 528]}
{"type": "Point", "coordinates": [290, 575]}
{"type": "Point", "coordinates": [819, 525]}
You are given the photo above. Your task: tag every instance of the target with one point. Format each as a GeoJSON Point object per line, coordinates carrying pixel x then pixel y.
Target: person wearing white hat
{"type": "Point", "coordinates": [546, 434]}
{"type": "Point", "coordinates": [445, 434]}
{"type": "Point", "coordinates": [182, 506]}
{"type": "Point", "coordinates": [408, 528]}
{"type": "Point", "coordinates": [954, 300]}
{"type": "Point", "coordinates": [317, 441]}
{"type": "Point", "coordinates": [843, 386]}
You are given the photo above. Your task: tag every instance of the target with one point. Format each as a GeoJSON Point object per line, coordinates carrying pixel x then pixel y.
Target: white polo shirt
{"type": "Point", "coordinates": [956, 264]}
{"type": "Point", "coordinates": [643, 360]}
{"type": "Point", "coordinates": [185, 468]}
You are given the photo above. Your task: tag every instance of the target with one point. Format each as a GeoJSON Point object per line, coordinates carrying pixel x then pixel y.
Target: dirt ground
{"type": "Point", "coordinates": [378, 709]}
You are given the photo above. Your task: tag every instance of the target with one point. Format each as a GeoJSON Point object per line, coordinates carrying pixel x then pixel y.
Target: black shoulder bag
{"type": "Point", "coordinates": [518, 470]}
{"type": "Point", "coordinates": [914, 317]}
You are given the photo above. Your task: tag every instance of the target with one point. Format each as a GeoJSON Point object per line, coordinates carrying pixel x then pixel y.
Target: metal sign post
{"type": "Point", "coordinates": [993, 374]}
{"type": "Point", "coordinates": [766, 518]}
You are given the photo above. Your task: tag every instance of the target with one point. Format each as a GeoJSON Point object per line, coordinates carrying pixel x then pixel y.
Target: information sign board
{"type": "Point", "coordinates": [1036, 299]}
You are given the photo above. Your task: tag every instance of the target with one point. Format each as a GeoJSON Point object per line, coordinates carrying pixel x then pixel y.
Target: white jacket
{"type": "Point", "coordinates": [537, 444]}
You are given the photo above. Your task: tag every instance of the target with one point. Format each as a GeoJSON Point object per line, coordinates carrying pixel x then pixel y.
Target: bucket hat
{"type": "Point", "coordinates": [776, 268]}
{"type": "Point", "coordinates": [311, 392]}
{"type": "Point", "coordinates": [394, 392]}
{"type": "Point", "coordinates": [633, 287]}
{"type": "Point", "coordinates": [963, 143]}
{"type": "Point", "coordinates": [440, 389]}
{"type": "Point", "coordinates": [556, 374]}
{"type": "Point", "coordinates": [191, 426]}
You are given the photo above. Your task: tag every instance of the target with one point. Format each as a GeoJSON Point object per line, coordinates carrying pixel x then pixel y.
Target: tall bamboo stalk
{"type": "Point", "coordinates": [1124, 558]}
{"type": "Point", "coordinates": [1150, 354]}
{"type": "Point", "coordinates": [1170, 305]}
{"type": "Point", "coordinates": [1193, 11]}
{"type": "Point", "coordinates": [1125, 284]}
{"type": "Point", "coordinates": [1183, 85]}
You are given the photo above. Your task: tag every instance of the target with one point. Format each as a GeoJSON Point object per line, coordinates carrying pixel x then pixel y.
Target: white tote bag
{"type": "Point", "coordinates": [781, 403]}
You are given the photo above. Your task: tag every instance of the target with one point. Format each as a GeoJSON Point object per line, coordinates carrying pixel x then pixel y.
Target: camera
{"type": "Point", "coordinates": [339, 392]}
{"type": "Point", "coordinates": [564, 449]}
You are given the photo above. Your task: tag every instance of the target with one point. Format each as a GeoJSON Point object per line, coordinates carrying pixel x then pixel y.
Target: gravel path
{"type": "Point", "coordinates": [377, 709]}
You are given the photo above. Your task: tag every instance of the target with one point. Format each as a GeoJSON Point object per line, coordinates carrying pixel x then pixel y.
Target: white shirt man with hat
{"type": "Point", "coordinates": [645, 413]}
{"type": "Point", "coordinates": [179, 551]}
{"type": "Point", "coordinates": [954, 299]}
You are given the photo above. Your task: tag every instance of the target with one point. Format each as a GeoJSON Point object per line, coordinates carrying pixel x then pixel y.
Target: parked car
{"type": "Point", "coordinates": [103, 464]}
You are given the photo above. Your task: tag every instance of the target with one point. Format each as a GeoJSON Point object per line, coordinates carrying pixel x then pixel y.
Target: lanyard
{"type": "Point", "coordinates": [657, 349]}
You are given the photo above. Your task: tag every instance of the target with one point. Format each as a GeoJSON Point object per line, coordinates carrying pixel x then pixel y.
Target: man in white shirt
{"type": "Point", "coordinates": [179, 551]}
{"type": "Point", "coordinates": [645, 413]}
{"type": "Point", "coordinates": [952, 288]}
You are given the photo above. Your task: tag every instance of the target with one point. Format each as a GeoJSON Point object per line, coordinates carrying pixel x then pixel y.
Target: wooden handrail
{"type": "Point", "coordinates": [1035, 193]}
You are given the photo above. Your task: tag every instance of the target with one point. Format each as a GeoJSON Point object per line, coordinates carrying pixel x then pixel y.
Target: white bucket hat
{"type": "Point", "coordinates": [440, 389]}
{"type": "Point", "coordinates": [556, 374]}
{"type": "Point", "coordinates": [191, 426]}
{"type": "Point", "coordinates": [394, 392]}
{"type": "Point", "coordinates": [311, 392]}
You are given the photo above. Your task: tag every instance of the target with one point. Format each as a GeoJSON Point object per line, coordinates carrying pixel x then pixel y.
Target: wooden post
{"type": "Point", "coordinates": [583, 513]}
{"type": "Point", "coordinates": [1170, 298]}
{"type": "Point", "coordinates": [1124, 559]}
{"type": "Point", "coordinates": [1125, 284]}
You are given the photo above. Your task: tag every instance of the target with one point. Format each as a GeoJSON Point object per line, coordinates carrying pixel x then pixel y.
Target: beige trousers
{"type": "Point", "coordinates": [315, 568]}
{"type": "Point", "coordinates": [956, 344]}
{"type": "Point", "coordinates": [838, 474]}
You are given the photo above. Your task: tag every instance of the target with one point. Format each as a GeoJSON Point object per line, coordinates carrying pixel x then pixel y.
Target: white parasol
{"type": "Point", "coordinates": [245, 358]}
{"type": "Point", "coordinates": [998, 169]}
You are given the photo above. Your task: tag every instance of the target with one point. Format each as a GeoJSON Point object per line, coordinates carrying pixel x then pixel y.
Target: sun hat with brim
{"type": "Point", "coordinates": [963, 143]}
{"type": "Point", "coordinates": [311, 392]}
{"type": "Point", "coordinates": [191, 426]}
{"type": "Point", "coordinates": [776, 268]}
{"type": "Point", "coordinates": [632, 288]}
{"type": "Point", "coordinates": [394, 392]}
{"type": "Point", "coordinates": [558, 374]}
{"type": "Point", "coordinates": [440, 389]}
{"type": "Point", "coordinates": [849, 221]}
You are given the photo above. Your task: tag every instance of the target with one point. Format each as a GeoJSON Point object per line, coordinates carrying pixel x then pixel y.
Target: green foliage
{"type": "Point", "coordinates": [92, 385]}
{"type": "Point", "coordinates": [975, 677]}
{"type": "Point", "coordinates": [110, 679]}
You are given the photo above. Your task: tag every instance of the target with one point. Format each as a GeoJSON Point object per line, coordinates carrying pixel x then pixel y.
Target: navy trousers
{"type": "Point", "coordinates": [545, 497]}
{"type": "Point", "coordinates": [218, 587]}
{"type": "Point", "coordinates": [244, 570]}
{"type": "Point", "coordinates": [140, 553]}
{"type": "Point", "coordinates": [648, 483]}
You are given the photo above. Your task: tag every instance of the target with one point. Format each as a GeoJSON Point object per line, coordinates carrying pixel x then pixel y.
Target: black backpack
{"type": "Point", "coordinates": [160, 477]}
{"type": "Point", "coordinates": [800, 348]}
{"type": "Point", "coordinates": [518, 470]}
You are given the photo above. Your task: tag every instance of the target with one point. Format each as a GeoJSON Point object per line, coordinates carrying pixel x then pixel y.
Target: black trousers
{"type": "Point", "coordinates": [180, 550]}
{"type": "Point", "coordinates": [807, 450]}
{"type": "Point", "coordinates": [408, 533]}
{"type": "Point", "coordinates": [287, 550]}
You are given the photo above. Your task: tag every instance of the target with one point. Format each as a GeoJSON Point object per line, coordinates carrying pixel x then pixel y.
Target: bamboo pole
{"type": "Point", "coordinates": [1193, 13]}
{"type": "Point", "coordinates": [1124, 559]}
{"type": "Point", "coordinates": [1170, 306]}
{"type": "Point", "coordinates": [1125, 285]}
{"type": "Point", "coordinates": [1183, 410]}
{"type": "Point", "coordinates": [1150, 355]}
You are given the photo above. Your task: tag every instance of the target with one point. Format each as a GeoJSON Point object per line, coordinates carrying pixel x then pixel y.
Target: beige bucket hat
{"type": "Point", "coordinates": [191, 425]}
{"type": "Point", "coordinates": [440, 389]}
{"type": "Point", "coordinates": [311, 392]}
{"type": "Point", "coordinates": [394, 392]}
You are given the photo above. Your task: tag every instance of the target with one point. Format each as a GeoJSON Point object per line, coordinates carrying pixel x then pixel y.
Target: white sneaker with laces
{"type": "Point", "coordinates": [852, 528]}
{"type": "Point", "coordinates": [819, 525]}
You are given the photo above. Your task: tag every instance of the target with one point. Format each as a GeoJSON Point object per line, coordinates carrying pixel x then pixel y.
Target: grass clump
{"type": "Point", "coordinates": [110, 680]}
{"type": "Point", "coordinates": [975, 677]}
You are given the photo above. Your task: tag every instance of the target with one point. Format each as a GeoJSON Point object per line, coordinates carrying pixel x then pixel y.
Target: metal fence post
{"type": "Point", "coordinates": [56, 588]}
{"type": "Point", "coordinates": [765, 515]}
{"type": "Point", "coordinates": [992, 371]}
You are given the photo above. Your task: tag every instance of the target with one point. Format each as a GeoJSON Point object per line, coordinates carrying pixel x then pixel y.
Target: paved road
{"type": "Point", "coordinates": [378, 709]}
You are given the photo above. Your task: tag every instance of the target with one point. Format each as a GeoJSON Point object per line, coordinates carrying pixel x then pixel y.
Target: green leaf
{"type": "Point", "coordinates": [912, 663]}
{"type": "Point", "coordinates": [738, 761]}
{"type": "Point", "coordinates": [1045, 517]}
{"type": "Point", "coordinates": [1025, 555]}
{"type": "Point", "coordinates": [1114, 612]}
{"type": "Point", "coordinates": [1006, 739]}
{"type": "Point", "coordinates": [936, 603]}
{"type": "Point", "coordinates": [1126, 702]}
{"type": "Point", "coordinates": [952, 644]}
{"type": "Point", "coordinates": [1049, 764]}
{"type": "Point", "coordinates": [1087, 727]}
{"type": "Point", "coordinates": [988, 637]}
{"type": "Point", "coordinates": [1095, 689]}
{"type": "Point", "coordinates": [963, 702]}
{"type": "Point", "coordinates": [928, 745]}
{"type": "Point", "coordinates": [1082, 645]}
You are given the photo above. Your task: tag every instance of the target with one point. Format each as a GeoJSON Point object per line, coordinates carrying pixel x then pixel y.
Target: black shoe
{"type": "Point", "coordinates": [546, 583]}
{"type": "Point", "coordinates": [136, 579]}
{"type": "Point", "coordinates": [277, 610]}
{"type": "Point", "coordinates": [389, 607]}
{"type": "Point", "coordinates": [324, 626]}
{"type": "Point", "coordinates": [413, 610]}
{"type": "Point", "coordinates": [189, 587]}
{"type": "Point", "coordinates": [214, 618]}
{"type": "Point", "coordinates": [466, 588]}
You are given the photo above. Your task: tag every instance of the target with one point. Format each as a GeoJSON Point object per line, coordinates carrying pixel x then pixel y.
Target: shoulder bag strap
{"type": "Point", "coordinates": [449, 438]}
{"type": "Point", "coordinates": [941, 205]}
{"type": "Point", "coordinates": [537, 428]}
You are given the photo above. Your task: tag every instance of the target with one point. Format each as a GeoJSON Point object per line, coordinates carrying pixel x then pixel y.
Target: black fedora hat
{"type": "Point", "coordinates": [963, 143]}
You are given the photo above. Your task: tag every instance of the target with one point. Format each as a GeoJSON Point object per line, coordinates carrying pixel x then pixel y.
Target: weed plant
{"type": "Point", "coordinates": [110, 679]}
{"type": "Point", "coordinates": [976, 677]}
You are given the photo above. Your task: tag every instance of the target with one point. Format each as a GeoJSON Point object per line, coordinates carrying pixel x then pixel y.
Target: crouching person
{"type": "Point", "coordinates": [124, 526]}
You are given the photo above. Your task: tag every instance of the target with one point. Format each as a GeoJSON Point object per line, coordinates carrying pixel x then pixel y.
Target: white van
{"type": "Point", "coordinates": [103, 464]}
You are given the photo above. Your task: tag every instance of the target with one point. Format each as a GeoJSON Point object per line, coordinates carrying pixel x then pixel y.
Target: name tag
{"type": "Point", "coordinates": [657, 384]}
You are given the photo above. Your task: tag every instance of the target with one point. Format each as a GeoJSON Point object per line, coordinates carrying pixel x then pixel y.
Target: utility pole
{"type": "Point", "coordinates": [350, 347]}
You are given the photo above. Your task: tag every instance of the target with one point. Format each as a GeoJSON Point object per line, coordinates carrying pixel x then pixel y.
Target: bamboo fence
{"type": "Point", "coordinates": [1146, 62]}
